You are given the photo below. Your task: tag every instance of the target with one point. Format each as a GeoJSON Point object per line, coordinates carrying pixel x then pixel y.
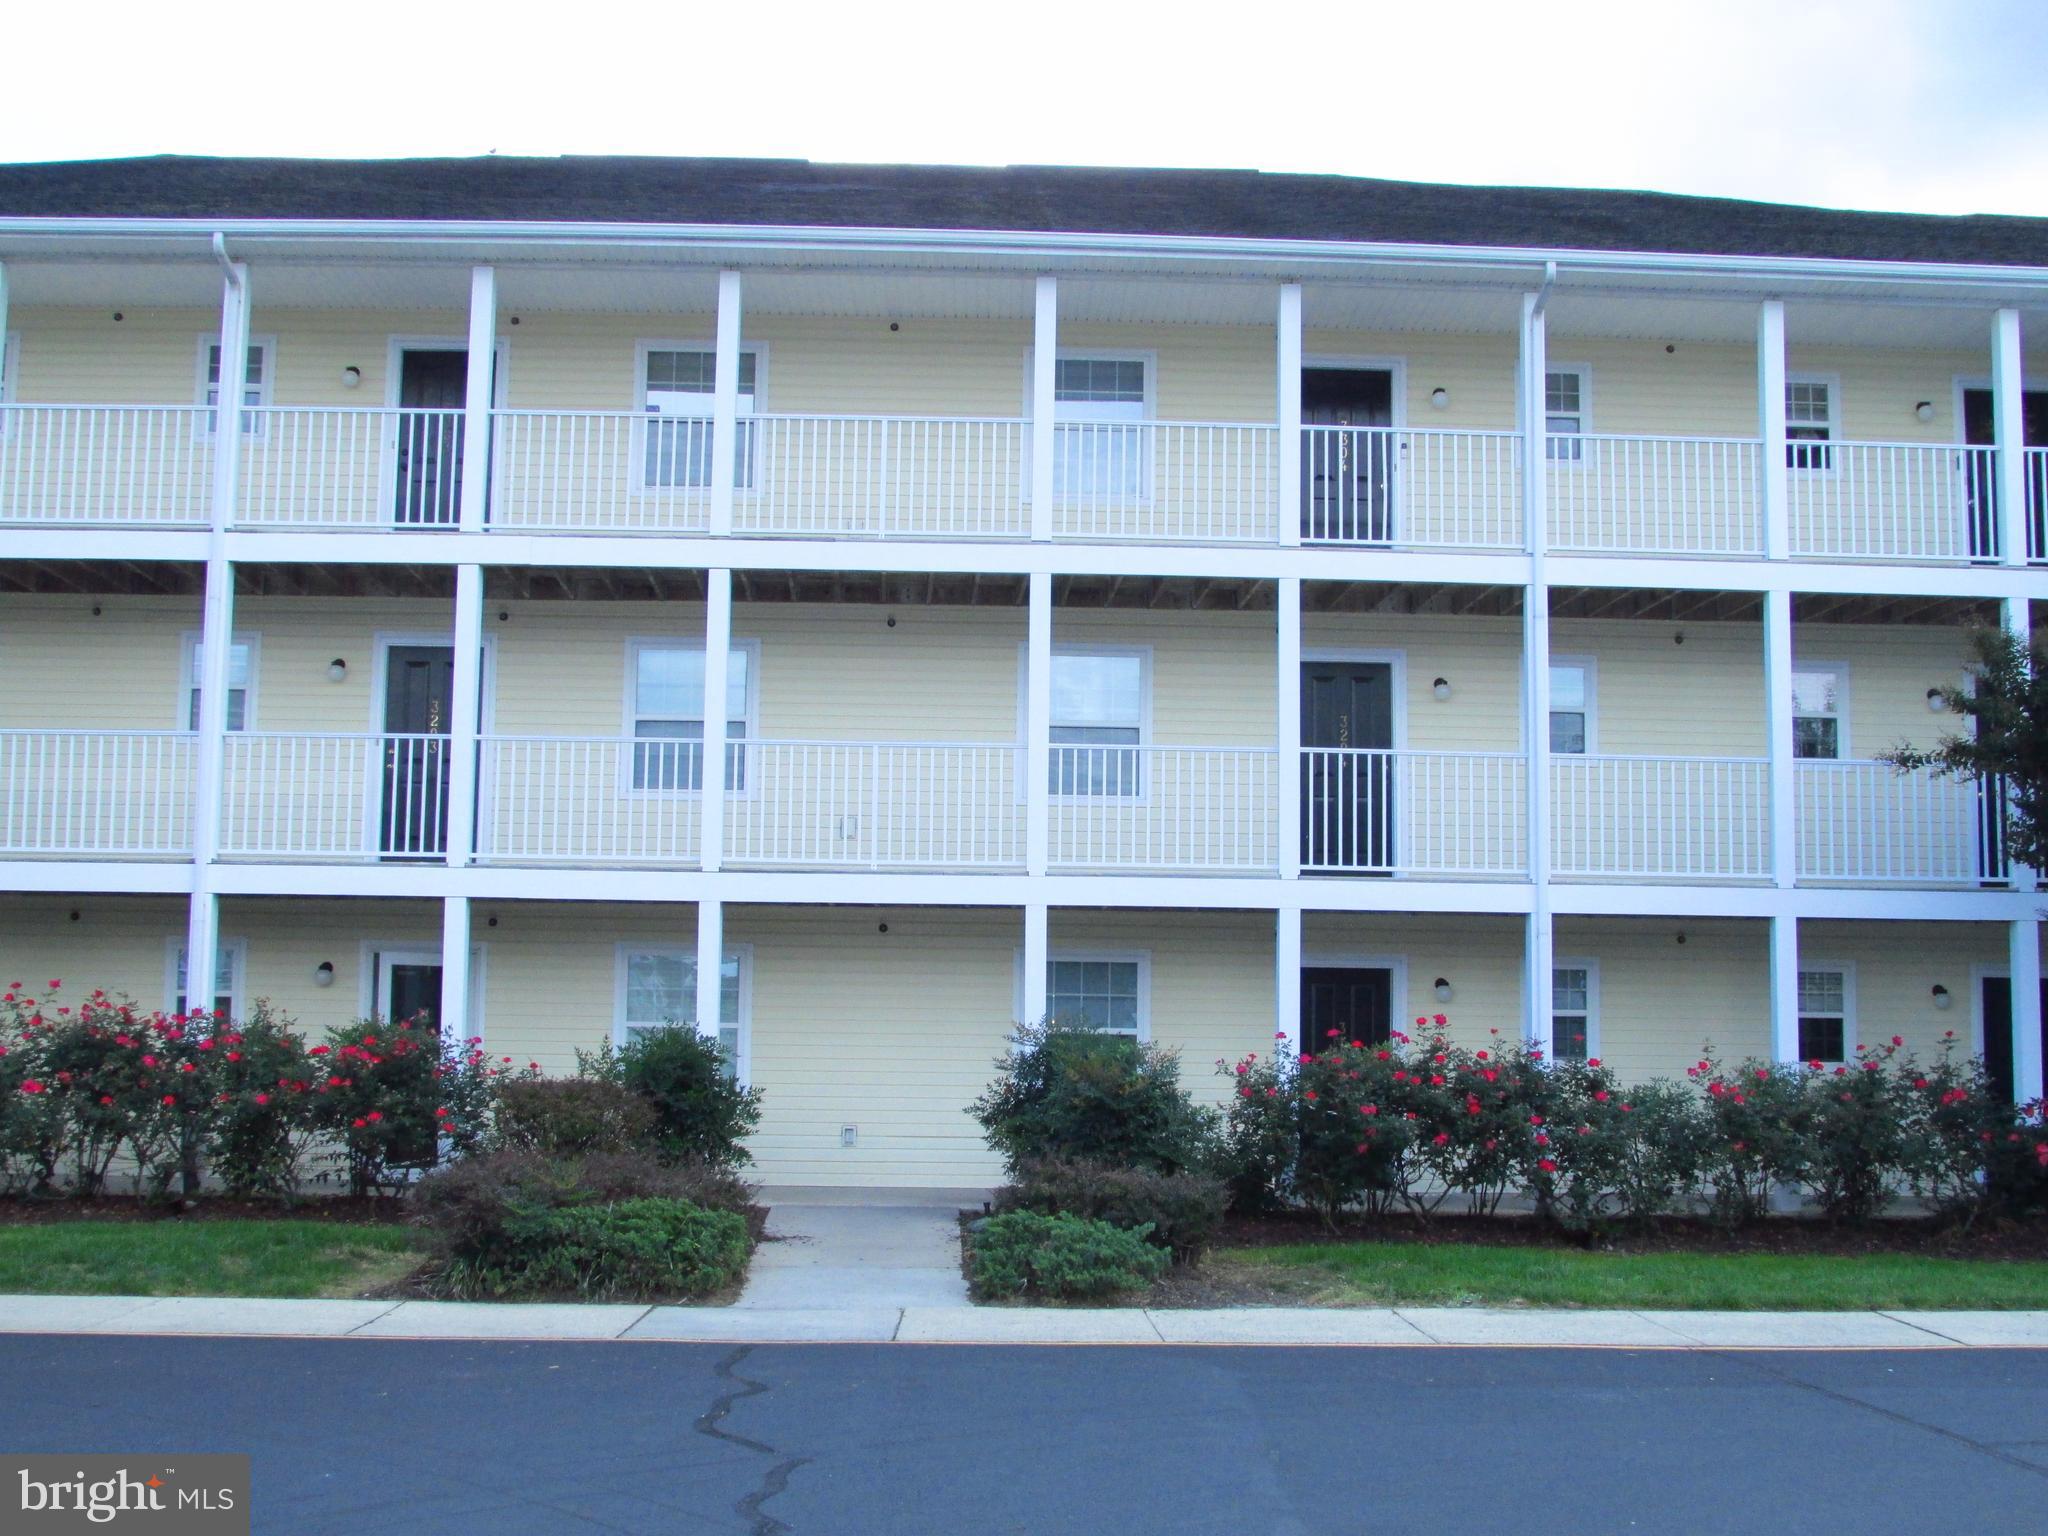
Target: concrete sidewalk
{"type": "Point", "coordinates": [829, 1254]}
{"type": "Point", "coordinates": [951, 1324]}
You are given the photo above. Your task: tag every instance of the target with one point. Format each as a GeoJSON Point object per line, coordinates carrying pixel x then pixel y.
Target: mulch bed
{"type": "Point", "coordinates": [314, 1207]}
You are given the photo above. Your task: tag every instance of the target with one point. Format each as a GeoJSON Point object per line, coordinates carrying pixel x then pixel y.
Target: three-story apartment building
{"type": "Point", "coordinates": [856, 608]}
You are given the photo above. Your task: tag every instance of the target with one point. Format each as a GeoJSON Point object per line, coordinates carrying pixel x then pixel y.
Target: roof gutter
{"type": "Point", "coordinates": [1020, 244]}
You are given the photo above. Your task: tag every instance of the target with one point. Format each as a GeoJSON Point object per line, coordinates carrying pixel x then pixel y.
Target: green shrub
{"type": "Point", "coordinates": [1069, 1090]}
{"type": "Point", "coordinates": [1178, 1211]}
{"type": "Point", "coordinates": [700, 1113]}
{"type": "Point", "coordinates": [646, 1250]}
{"type": "Point", "coordinates": [1026, 1254]}
{"type": "Point", "coordinates": [263, 1080]}
{"type": "Point", "coordinates": [1858, 1125]}
{"type": "Point", "coordinates": [1759, 1133]}
{"type": "Point", "coordinates": [393, 1097]}
{"type": "Point", "coordinates": [569, 1116]}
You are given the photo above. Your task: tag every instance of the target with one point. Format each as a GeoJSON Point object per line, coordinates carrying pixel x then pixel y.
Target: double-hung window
{"type": "Point", "coordinates": [678, 392]}
{"type": "Point", "coordinates": [1564, 414]}
{"type": "Point", "coordinates": [229, 965]}
{"type": "Point", "coordinates": [1571, 707]}
{"type": "Point", "coordinates": [658, 990]}
{"type": "Point", "coordinates": [1824, 1007]}
{"type": "Point", "coordinates": [1098, 723]}
{"type": "Point", "coordinates": [1809, 423]}
{"type": "Point", "coordinates": [1574, 1011]}
{"type": "Point", "coordinates": [1099, 443]}
{"type": "Point", "coordinates": [241, 682]}
{"type": "Point", "coordinates": [667, 684]}
{"type": "Point", "coordinates": [255, 387]}
{"type": "Point", "coordinates": [1105, 992]}
{"type": "Point", "coordinates": [1818, 700]}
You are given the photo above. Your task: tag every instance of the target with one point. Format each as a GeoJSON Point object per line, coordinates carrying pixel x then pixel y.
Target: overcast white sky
{"type": "Point", "coordinates": [1935, 105]}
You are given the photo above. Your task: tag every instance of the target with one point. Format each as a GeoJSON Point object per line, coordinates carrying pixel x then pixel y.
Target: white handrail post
{"type": "Point", "coordinates": [725, 405]}
{"type": "Point", "coordinates": [2008, 434]}
{"type": "Point", "coordinates": [1038, 727]}
{"type": "Point", "coordinates": [476, 404]}
{"type": "Point", "coordinates": [1287, 724]}
{"type": "Point", "coordinates": [1287, 981]}
{"type": "Point", "coordinates": [711, 755]}
{"type": "Point", "coordinates": [1770, 408]}
{"type": "Point", "coordinates": [1538, 943]}
{"type": "Point", "coordinates": [710, 966]}
{"type": "Point", "coordinates": [1287, 366]}
{"type": "Point", "coordinates": [1784, 987]}
{"type": "Point", "coordinates": [465, 711]}
{"type": "Point", "coordinates": [1036, 953]}
{"type": "Point", "coordinates": [1045, 340]}
{"type": "Point", "coordinates": [456, 1009]}
{"type": "Point", "coordinates": [1783, 771]}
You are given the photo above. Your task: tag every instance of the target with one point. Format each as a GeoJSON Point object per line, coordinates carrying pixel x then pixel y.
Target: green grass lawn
{"type": "Point", "coordinates": [201, 1258]}
{"type": "Point", "coordinates": [1381, 1274]}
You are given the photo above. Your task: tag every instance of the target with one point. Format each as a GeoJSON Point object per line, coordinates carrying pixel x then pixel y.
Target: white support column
{"type": "Point", "coordinates": [1536, 997]}
{"type": "Point", "coordinates": [1770, 417]}
{"type": "Point", "coordinates": [1287, 366]}
{"type": "Point", "coordinates": [1783, 773]}
{"type": "Point", "coordinates": [1287, 723]}
{"type": "Point", "coordinates": [465, 709]}
{"type": "Point", "coordinates": [711, 772]}
{"type": "Point", "coordinates": [1045, 343]}
{"type": "Point", "coordinates": [1287, 982]}
{"type": "Point", "coordinates": [2024, 960]}
{"type": "Point", "coordinates": [1037, 949]}
{"type": "Point", "coordinates": [202, 937]}
{"type": "Point", "coordinates": [1785, 988]}
{"type": "Point", "coordinates": [1038, 727]}
{"type": "Point", "coordinates": [478, 398]}
{"type": "Point", "coordinates": [710, 967]}
{"type": "Point", "coordinates": [2009, 434]}
{"type": "Point", "coordinates": [1539, 951]}
{"type": "Point", "coordinates": [725, 405]}
{"type": "Point", "coordinates": [456, 1013]}
{"type": "Point", "coordinates": [2016, 614]}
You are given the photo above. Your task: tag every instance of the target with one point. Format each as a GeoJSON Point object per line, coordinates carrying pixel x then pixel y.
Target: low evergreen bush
{"type": "Point", "coordinates": [1177, 1211]}
{"type": "Point", "coordinates": [700, 1113]}
{"type": "Point", "coordinates": [571, 1116]}
{"type": "Point", "coordinates": [1060, 1257]}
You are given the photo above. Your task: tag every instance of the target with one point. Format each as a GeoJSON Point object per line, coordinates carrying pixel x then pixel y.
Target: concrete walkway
{"type": "Point", "coordinates": [956, 1324]}
{"type": "Point", "coordinates": [857, 1251]}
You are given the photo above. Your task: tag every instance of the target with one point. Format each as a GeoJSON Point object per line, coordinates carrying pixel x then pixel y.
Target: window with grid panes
{"type": "Point", "coordinates": [678, 391]}
{"type": "Point", "coordinates": [661, 992]}
{"type": "Point", "coordinates": [1098, 437]}
{"type": "Point", "coordinates": [1100, 993]}
{"type": "Point", "coordinates": [1098, 718]}
{"type": "Point", "coordinates": [1809, 424]}
{"type": "Point", "coordinates": [1823, 1016]}
{"type": "Point", "coordinates": [1564, 413]}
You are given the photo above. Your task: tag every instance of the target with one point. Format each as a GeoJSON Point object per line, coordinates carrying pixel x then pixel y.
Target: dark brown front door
{"type": "Point", "coordinates": [433, 387]}
{"type": "Point", "coordinates": [417, 684]}
{"type": "Point", "coordinates": [1997, 999]}
{"type": "Point", "coordinates": [1983, 475]}
{"type": "Point", "coordinates": [1345, 1003]}
{"type": "Point", "coordinates": [1347, 455]}
{"type": "Point", "coordinates": [1347, 767]}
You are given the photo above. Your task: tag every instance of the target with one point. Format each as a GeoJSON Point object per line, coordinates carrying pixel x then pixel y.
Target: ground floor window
{"type": "Point", "coordinates": [658, 988]}
{"type": "Point", "coordinates": [230, 965]}
{"type": "Point", "coordinates": [1574, 1011]}
{"type": "Point", "coordinates": [1110, 992]}
{"type": "Point", "coordinates": [1824, 1010]}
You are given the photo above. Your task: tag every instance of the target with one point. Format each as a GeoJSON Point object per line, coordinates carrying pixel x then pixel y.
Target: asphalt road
{"type": "Point", "coordinates": [504, 1439]}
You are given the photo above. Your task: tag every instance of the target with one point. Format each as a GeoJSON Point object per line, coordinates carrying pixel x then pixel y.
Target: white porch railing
{"type": "Point", "coordinates": [1867, 823]}
{"type": "Point", "coordinates": [1619, 495]}
{"type": "Point", "coordinates": [1165, 481]}
{"type": "Point", "coordinates": [2036, 462]}
{"type": "Point", "coordinates": [904, 476]}
{"type": "Point", "coordinates": [600, 471]}
{"type": "Point", "coordinates": [115, 794]}
{"type": "Point", "coordinates": [590, 800]}
{"type": "Point", "coordinates": [105, 464]}
{"type": "Point", "coordinates": [1698, 818]}
{"type": "Point", "coordinates": [875, 805]}
{"type": "Point", "coordinates": [328, 796]}
{"type": "Point", "coordinates": [1893, 501]}
{"type": "Point", "coordinates": [351, 467]}
{"type": "Point", "coordinates": [1441, 813]}
{"type": "Point", "coordinates": [1422, 487]}
{"type": "Point", "coordinates": [1182, 809]}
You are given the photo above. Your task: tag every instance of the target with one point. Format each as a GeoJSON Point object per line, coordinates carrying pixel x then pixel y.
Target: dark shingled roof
{"type": "Point", "coordinates": [1044, 199]}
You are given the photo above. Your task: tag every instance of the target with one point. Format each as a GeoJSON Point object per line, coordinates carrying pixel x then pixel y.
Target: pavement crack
{"type": "Point", "coordinates": [776, 1478]}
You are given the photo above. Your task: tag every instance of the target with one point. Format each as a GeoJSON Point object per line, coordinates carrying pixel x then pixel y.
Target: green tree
{"type": "Point", "coordinates": [2006, 705]}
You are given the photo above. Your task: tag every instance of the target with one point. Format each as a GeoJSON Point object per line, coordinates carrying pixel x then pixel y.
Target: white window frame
{"type": "Point", "coordinates": [1554, 441]}
{"type": "Point", "coordinates": [1840, 716]}
{"type": "Point", "coordinates": [252, 426]}
{"type": "Point", "coordinates": [635, 644]}
{"type": "Point", "coordinates": [1592, 969]}
{"type": "Point", "coordinates": [1145, 358]}
{"type": "Point", "coordinates": [640, 485]}
{"type": "Point", "coordinates": [1832, 383]}
{"type": "Point", "coordinates": [741, 954]}
{"type": "Point", "coordinates": [237, 951]}
{"type": "Point", "coordinates": [1590, 668]}
{"type": "Point", "coordinates": [1847, 970]}
{"type": "Point", "coordinates": [1142, 958]}
{"type": "Point", "coordinates": [1143, 653]}
{"type": "Point", "coordinates": [188, 676]}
